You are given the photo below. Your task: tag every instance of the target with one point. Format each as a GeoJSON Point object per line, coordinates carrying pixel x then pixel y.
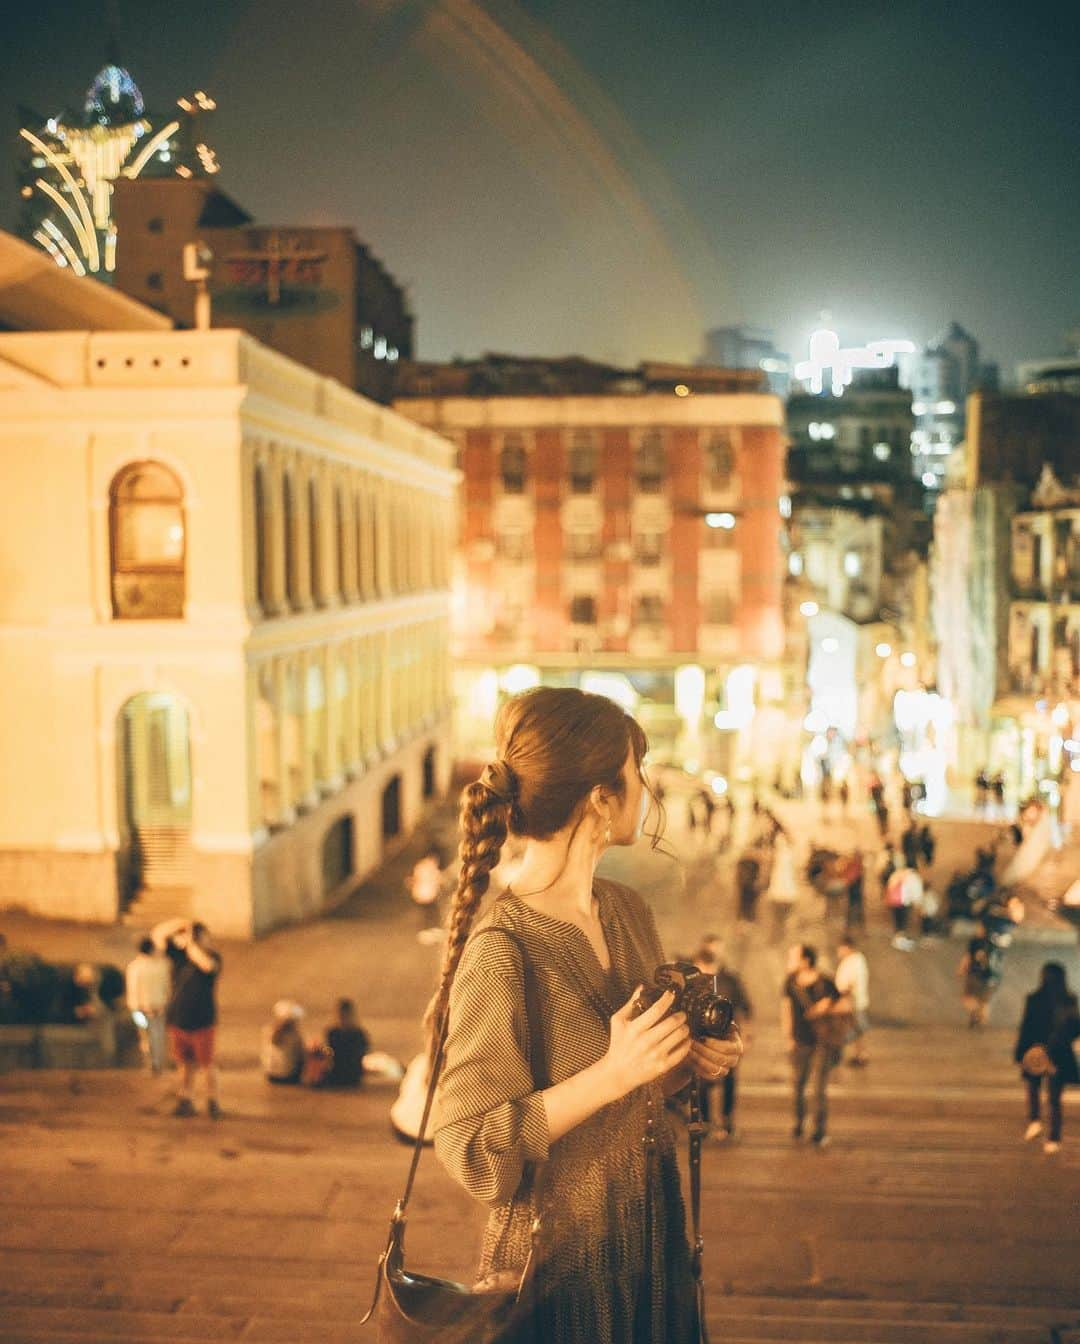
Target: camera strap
{"type": "Point", "coordinates": [696, 1130]}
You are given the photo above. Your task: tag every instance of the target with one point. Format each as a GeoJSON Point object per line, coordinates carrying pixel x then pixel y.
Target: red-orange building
{"type": "Point", "coordinates": [612, 521]}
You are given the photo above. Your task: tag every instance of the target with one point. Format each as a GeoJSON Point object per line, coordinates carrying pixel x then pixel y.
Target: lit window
{"type": "Point", "coordinates": [512, 465]}
{"type": "Point", "coordinates": [852, 564]}
{"type": "Point", "coordinates": [882, 452]}
{"type": "Point", "coordinates": [785, 506]}
{"type": "Point", "coordinates": [582, 464]}
{"type": "Point", "coordinates": [795, 563]}
{"type": "Point", "coordinates": [649, 464]}
{"type": "Point", "coordinates": [147, 533]}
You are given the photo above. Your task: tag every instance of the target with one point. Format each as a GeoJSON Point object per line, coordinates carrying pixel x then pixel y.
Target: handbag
{"type": "Point", "coordinates": [1036, 1061]}
{"type": "Point", "coordinates": [408, 1308]}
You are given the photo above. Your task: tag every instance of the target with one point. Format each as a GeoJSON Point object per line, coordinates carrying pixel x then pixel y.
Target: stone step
{"type": "Point", "coordinates": [78, 1315]}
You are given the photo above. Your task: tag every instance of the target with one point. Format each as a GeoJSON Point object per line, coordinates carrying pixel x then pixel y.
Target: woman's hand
{"type": "Point", "coordinates": [646, 1047]}
{"type": "Point", "coordinates": [712, 1060]}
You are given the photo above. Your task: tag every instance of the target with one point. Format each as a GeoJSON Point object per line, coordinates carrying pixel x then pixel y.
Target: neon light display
{"type": "Point", "coordinates": [70, 166]}
{"type": "Point", "coordinates": [826, 354]}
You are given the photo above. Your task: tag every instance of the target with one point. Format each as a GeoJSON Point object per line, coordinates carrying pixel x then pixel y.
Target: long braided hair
{"type": "Point", "coordinates": [553, 745]}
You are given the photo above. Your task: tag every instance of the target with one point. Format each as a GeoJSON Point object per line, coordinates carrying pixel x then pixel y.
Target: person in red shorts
{"type": "Point", "coordinates": [191, 1014]}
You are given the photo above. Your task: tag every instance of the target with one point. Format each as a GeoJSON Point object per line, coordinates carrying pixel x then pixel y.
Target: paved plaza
{"type": "Point", "coordinates": [928, 1219]}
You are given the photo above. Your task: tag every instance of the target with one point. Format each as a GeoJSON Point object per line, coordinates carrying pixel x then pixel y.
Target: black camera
{"type": "Point", "coordinates": [708, 1012]}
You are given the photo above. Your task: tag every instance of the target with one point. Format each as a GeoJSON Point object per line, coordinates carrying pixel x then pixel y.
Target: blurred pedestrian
{"type": "Point", "coordinates": [903, 892]}
{"type": "Point", "coordinates": [982, 789]}
{"type": "Point", "coordinates": [783, 889]}
{"type": "Point", "coordinates": [980, 973]}
{"type": "Point", "coordinates": [997, 788]}
{"type": "Point", "coordinates": [855, 876]}
{"type": "Point", "coordinates": [712, 959]}
{"type": "Point", "coordinates": [909, 844]}
{"type": "Point", "coordinates": [748, 885]}
{"type": "Point", "coordinates": [876, 789]}
{"type": "Point", "coordinates": [84, 1001]}
{"type": "Point", "coordinates": [805, 990]}
{"type": "Point", "coordinates": [282, 1052]}
{"type": "Point", "coordinates": [927, 846]}
{"type": "Point", "coordinates": [1044, 1049]}
{"type": "Point", "coordinates": [425, 885]}
{"type": "Point", "coordinates": [191, 1014]}
{"type": "Point", "coordinates": [845, 795]}
{"type": "Point", "coordinates": [726, 829]}
{"type": "Point", "coordinates": [147, 980]}
{"type": "Point", "coordinates": [853, 979]}
{"type": "Point", "coordinates": [349, 1043]}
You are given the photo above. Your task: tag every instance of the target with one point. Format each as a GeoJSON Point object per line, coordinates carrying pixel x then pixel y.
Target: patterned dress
{"type": "Point", "coordinates": [593, 1285]}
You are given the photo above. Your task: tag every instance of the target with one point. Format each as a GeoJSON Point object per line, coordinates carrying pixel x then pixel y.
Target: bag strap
{"type": "Point", "coordinates": [537, 1058]}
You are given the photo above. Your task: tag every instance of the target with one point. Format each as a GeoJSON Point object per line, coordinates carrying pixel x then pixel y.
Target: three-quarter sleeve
{"type": "Point", "coordinates": [490, 1119]}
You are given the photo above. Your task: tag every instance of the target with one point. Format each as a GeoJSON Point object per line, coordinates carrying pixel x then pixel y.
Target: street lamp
{"type": "Point", "coordinates": [722, 520]}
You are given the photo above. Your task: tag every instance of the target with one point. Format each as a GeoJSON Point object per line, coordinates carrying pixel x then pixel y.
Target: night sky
{"type": "Point", "coordinates": [611, 177]}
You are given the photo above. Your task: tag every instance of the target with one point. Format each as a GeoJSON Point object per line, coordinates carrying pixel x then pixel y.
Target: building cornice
{"type": "Point", "coordinates": [702, 410]}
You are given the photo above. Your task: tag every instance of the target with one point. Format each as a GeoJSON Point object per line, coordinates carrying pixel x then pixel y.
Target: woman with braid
{"type": "Point", "coordinates": [614, 1264]}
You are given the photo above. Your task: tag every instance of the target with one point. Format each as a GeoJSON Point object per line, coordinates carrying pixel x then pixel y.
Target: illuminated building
{"type": "Point", "coordinates": [70, 163]}
{"type": "Point", "coordinates": [941, 378]}
{"type": "Point", "coordinates": [619, 528]}
{"type": "Point", "coordinates": [225, 617]}
{"type": "Point", "coordinates": [1040, 708]}
{"type": "Point", "coordinates": [857, 544]}
{"type": "Point", "coordinates": [1004, 615]}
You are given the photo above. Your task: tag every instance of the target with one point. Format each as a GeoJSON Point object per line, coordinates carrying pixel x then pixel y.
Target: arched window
{"type": "Point", "coordinates": [263, 542]}
{"type": "Point", "coordinates": [147, 536]}
{"type": "Point", "coordinates": [317, 592]}
{"type": "Point", "coordinates": [292, 575]}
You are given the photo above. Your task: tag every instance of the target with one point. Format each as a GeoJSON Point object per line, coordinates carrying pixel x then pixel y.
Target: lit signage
{"type": "Point", "coordinates": [825, 353]}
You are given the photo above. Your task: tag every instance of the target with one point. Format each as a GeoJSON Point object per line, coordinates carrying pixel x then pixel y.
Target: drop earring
{"type": "Point", "coordinates": [607, 834]}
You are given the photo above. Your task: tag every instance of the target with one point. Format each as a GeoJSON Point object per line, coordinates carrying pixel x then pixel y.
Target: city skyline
{"type": "Point", "coordinates": [594, 159]}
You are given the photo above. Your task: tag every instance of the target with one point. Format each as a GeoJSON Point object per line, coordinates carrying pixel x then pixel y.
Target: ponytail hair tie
{"type": "Point", "coordinates": [500, 781]}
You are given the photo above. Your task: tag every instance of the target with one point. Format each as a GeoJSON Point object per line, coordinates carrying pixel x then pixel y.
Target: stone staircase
{"type": "Point", "coordinates": [166, 863]}
{"type": "Point", "coordinates": [146, 1302]}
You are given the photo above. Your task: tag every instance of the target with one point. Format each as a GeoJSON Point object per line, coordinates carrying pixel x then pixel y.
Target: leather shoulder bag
{"type": "Point", "coordinates": [408, 1308]}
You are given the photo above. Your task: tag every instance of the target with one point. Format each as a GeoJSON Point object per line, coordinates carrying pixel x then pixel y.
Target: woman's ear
{"type": "Point", "coordinates": [598, 801]}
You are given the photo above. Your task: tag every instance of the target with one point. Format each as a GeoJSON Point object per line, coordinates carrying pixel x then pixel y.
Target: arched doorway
{"type": "Point", "coordinates": [391, 809]}
{"type": "Point", "coordinates": [337, 854]}
{"type": "Point", "coordinates": [154, 773]}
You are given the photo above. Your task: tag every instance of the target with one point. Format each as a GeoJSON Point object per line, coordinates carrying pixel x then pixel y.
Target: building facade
{"type": "Point", "coordinates": [226, 625]}
{"type": "Point", "coordinates": [858, 540]}
{"type": "Point", "coordinates": [1004, 555]}
{"type": "Point", "coordinates": [1038, 711]}
{"type": "Point", "coordinates": [317, 295]}
{"type": "Point", "coordinates": [626, 533]}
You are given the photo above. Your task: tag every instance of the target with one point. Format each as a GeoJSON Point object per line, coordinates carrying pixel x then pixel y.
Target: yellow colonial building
{"type": "Point", "coordinates": [224, 597]}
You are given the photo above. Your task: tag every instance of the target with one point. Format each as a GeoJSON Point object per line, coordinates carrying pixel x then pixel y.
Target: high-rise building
{"type": "Point", "coordinates": [941, 378]}
{"type": "Point", "coordinates": [743, 347]}
{"type": "Point", "coordinates": [227, 596]}
{"type": "Point", "coordinates": [618, 528]}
